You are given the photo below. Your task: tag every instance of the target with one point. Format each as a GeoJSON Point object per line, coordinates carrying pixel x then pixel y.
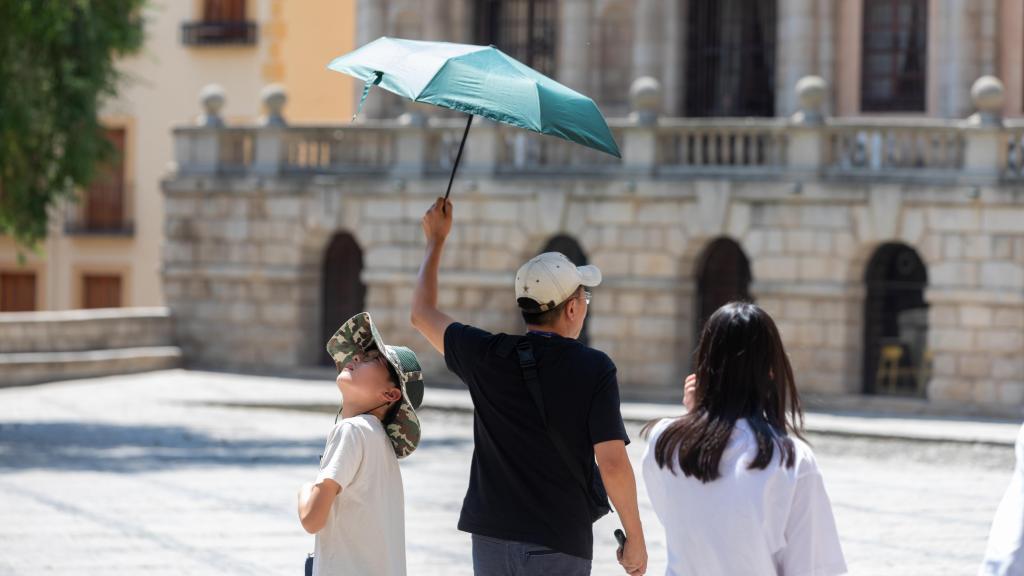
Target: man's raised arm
{"type": "Point", "coordinates": [426, 318]}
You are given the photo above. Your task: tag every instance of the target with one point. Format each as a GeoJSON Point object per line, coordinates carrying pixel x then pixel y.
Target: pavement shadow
{"type": "Point", "coordinates": [85, 446]}
{"type": "Point", "coordinates": [104, 447]}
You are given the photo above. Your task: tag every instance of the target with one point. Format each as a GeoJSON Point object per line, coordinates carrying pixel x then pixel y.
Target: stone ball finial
{"type": "Point", "coordinates": [274, 97]}
{"type": "Point", "coordinates": [212, 99]}
{"type": "Point", "coordinates": [988, 96]}
{"type": "Point", "coordinates": [811, 92]}
{"type": "Point", "coordinates": [645, 99]}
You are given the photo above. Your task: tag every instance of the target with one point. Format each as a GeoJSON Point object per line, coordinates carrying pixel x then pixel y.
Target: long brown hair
{"type": "Point", "coordinates": [742, 372]}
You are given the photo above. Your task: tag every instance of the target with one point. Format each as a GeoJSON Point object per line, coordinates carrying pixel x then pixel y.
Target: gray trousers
{"type": "Point", "coordinates": [495, 557]}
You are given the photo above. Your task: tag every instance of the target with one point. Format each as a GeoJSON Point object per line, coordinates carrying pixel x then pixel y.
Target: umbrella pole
{"type": "Point", "coordinates": [458, 156]}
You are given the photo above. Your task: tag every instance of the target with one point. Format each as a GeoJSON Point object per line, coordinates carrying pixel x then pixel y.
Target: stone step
{"type": "Point", "coordinates": [20, 368]}
{"type": "Point", "coordinates": [84, 330]}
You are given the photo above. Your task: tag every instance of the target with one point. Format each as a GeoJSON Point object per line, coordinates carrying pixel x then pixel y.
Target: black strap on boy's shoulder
{"type": "Point", "coordinates": [528, 365]}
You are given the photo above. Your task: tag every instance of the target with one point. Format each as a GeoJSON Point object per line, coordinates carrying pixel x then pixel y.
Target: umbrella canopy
{"type": "Point", "coordinates": [481, 81]}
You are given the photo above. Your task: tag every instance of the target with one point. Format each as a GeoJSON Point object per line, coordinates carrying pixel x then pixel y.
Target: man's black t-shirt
{"type": "Point", "coordinates": [520, 489]}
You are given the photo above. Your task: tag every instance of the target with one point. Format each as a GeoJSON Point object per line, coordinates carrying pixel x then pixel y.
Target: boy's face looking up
{"type": "Point", "coordinates": [365, 383]}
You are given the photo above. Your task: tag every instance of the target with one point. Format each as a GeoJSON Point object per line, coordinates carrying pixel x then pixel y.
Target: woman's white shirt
{"type": "Point", "coordinates": [776, 521]}
{"type": "Point", "coordinates": [1005, 554]}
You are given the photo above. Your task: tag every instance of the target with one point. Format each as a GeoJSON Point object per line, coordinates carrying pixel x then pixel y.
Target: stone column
{"type": "Point", "coordinates": [826, 45]}
{"type": "Point", "coordinates": [952, 56]}
{"type": "Point", "coordinates": [795, 51]}
{"type": "Point", "coordinates": [647, 47]}
{"type": "Point", "coordinates": [1011, 54]}
{"type": "Point", "coordinates": [674, 54]}
{"type": "Point", "coordinates": [574, 45]}
{"type": "Point", "coordinates": [371, 21]}
{"type": "Point", "coordinates": [988, 37]}
{"type": "Point", "coordinates": [436, 15]}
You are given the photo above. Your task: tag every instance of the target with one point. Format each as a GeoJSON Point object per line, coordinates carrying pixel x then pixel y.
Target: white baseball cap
{"type": "Point", "coordinates": [550, 279]}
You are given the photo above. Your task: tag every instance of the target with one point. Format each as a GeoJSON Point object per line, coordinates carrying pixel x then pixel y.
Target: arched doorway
{"type": "Point", "coordinates": [896, 323]}
{"type": "Point", "coordinates": [730, 58]}
{"type": "Point", "coordinates": [574, 252]}
{"type": "Point", "coordinates": [344, 294]}
{"type": "Point", "coordinates": [724, 277]}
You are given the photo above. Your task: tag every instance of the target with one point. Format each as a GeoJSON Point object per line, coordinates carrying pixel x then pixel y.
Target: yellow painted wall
{"type": "Point", "coordinates": [314, 33]}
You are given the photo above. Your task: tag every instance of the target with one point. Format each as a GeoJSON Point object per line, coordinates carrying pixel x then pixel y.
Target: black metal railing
{"type": "Point", "coordinates": [219, 33]}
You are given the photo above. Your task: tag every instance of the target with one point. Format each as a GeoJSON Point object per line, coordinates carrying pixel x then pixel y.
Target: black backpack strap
{"type": "Point", "coordinates": [524, 351]}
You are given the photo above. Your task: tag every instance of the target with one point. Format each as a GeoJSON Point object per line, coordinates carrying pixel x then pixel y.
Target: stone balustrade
{"type": "Point", "coordinates": [409, 146]}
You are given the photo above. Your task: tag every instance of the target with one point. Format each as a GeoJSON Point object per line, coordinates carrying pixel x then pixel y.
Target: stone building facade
{"type": "Point", "coordinates": [891, 253]}
{"type": "Point", "coordinates": [889, 248]}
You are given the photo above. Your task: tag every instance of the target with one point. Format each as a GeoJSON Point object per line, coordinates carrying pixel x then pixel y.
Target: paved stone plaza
{"type": "Point", "coordinates": [184, 473]}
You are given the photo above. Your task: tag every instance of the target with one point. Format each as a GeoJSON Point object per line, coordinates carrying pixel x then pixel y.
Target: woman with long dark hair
{"type": "Point", "coordinates": [735, 486]}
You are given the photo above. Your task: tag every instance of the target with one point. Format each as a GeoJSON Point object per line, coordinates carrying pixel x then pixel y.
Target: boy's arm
{"type": "Point", "coordinates": [315, 501]}
{"type": "Point", "coordinates": [620, 483]}
{"type": "Point", "coordinates": [426, 317]}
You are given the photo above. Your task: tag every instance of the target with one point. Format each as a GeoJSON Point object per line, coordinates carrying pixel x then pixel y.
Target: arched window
{"type": "Point", "coordinates": [730, 58]}
{"type": "Point", "coordinates": [724, 277]}
{"type": "Point", "coordinates": [894, 55]}
{"type": "Point", "coordinates": [615, 58]}
{"type": "Point", "coordinates": [896, 323]}
{"type": "Point", "coordinates": [574, 252]}
{"type": "Point", "coordinates": [526, 30]}
{"type": "Point", "coordinates": [344, 294]}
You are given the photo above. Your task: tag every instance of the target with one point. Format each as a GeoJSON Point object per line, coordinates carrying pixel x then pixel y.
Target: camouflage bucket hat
{"type": "Point", "coordinates": [359, 335]}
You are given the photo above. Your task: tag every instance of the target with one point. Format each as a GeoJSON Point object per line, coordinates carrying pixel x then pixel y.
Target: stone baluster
{"type": "Point", "coordinates": [197, 151]}
{"type": "Point", "coordinates": [269, 153]}
{"type": "Point", "coordinates": [411, 142]}
{"type": "Point", "coordinates": [983, 155]}
{"type": "Point", "coordinates": [639, 146]}
{"type": "Point", "coordinates": [805, 152]}
{"type": "Point", "coordinates": [483, 148]}
{"type": "Point", "coordinates": [212, 99]}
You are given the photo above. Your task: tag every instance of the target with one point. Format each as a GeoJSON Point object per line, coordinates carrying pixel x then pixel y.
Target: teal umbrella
{"type": "Point", "coordinates": [480, 81]}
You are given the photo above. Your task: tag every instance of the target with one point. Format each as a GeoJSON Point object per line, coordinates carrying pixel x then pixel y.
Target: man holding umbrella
{"type": "Point", "coordinates": [545, 406]}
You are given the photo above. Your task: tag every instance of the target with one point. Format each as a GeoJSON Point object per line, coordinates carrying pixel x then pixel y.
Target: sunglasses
{"type": "Point", "coordinates": [365, 357]}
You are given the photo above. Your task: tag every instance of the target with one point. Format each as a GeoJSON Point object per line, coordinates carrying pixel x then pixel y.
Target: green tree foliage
{"type": "Point", "coordinates": [57, 65]}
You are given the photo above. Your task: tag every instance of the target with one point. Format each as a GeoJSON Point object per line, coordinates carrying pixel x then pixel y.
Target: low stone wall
{"type": "Point", "coordinates": [47, 346]}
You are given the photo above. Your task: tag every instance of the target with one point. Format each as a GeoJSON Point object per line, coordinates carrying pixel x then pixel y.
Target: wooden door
{"type": "Point", "coordinates": [344, 294]}
{"type": "Point", "coordinates": [724, 277]}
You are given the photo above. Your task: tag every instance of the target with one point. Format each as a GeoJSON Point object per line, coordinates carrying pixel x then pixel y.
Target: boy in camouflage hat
{"type": "Point", "coordinates": [356, 505]}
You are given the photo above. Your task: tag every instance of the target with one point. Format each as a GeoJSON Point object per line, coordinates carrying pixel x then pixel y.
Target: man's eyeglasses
{"type": "Point", "coordinates": [587, 295]}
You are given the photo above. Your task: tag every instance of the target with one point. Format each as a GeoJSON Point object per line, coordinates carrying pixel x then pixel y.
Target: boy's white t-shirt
{"type": "Point", "coordinates": [1005, 554]}
{"type": "Point", "coordinates": [776, 521]}
{"type": "Point", "coordinates": [365, 529]}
